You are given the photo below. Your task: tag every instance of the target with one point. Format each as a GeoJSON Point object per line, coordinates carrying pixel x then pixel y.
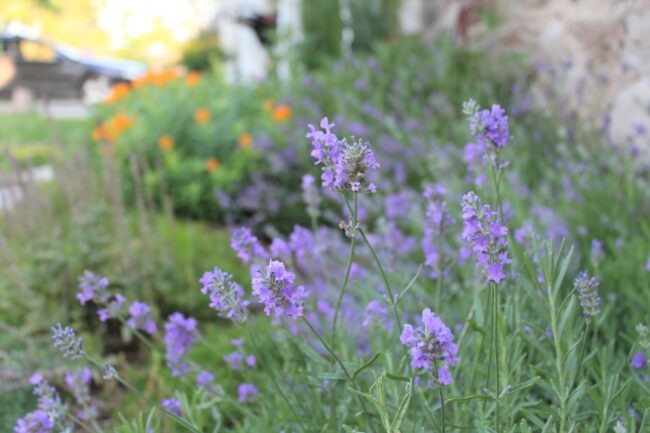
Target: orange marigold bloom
{"type": "Point", "coordinates": [282, 113]}
{"type": "Point", "coordinates": [212, 164]}
{"type": "Point", "coordinates": [118, 91]}
{"type": "Point", "coordinates": [99, 132]}
{"type": "Point", "coordinates": [245, 140]}
{"type": "Point", "coordinates": [166, 76]}
{"type": "Point", "coordinates": [202, 115]}
{"type": "Point", "coordinates": [193, 78]}
{"type": "Point", "coordinates": [166, 142]}
{"type": "Point", "coordinates": [143, 79]}
{"type": "Point", "coordinates": [268, 104]}
{"type": "Point", "coordinates": [121, 122]}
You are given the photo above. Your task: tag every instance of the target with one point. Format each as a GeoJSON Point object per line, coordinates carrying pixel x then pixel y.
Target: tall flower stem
{"type": "Point", "coordinates": [177, 419]}
{"type": "Point", "coordinates": [496, 181]}
{"type": "Point", "coordinates": [348, 268]}
{"type": "Point", "coordinates": [495, 337]}
{"type": "Point", "coordinates": [441, 393]}
{"type": "Point", "coordinates": [559, 356]}
{"type": "Point", "coordinates": [439, 281]}
{"type": "Point", "coordinates": [341, 364]}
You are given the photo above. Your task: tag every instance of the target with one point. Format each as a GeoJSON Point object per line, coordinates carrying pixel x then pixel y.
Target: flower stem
{"type": "Point", "coordinates": [389, 290]}
{"type": "Point", "coordinates": [495, 336]}
{"type": "Point", "coordinates": [442, 398]}
{"type": "Point", "coordinates": [340, 363]}
{"type": "Point", "coordinates": [348, 268]}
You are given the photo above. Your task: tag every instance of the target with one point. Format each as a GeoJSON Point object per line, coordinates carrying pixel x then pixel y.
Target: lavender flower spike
{"type": "Point", "coordinates": [587, 289]}
{"type": "Point", "coordinates": [345, 165]}
{"type": "Point", "coordinates": [429, 344]}
{"type": "Point", "coordinates": [482, 228]}
{"type": "Point", "coordinates": [275, 289]}
{"type": "Point", "coordinates": [67, 342]}
{"type": "Point", "coordinates": [226, 296]}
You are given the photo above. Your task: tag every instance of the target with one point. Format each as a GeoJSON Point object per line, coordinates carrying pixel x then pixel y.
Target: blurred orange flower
{"type": "Point", "coordinates": [193, 78]}
{"type": "Point", "coordinates": [268, 104]}
{"type": "Point", "coordinates": [166, 142]}
{"type": "Point", "coordinates": [166, 76]}
{"type": "Point", "coordinates": [245, 140]}
{"type": "Point", "coordinates": [118, 91]}
{"type": "Point", "coordinates": [282, 113]}
{"type": "Point", "coordinates": [99, 132]}
{"type": "Point", "coordinates": [202, 115]}
{"type": "Point", "coordinates": [212, 164]}
{"type": "Point", "coordinates": [143, 79]}
{"type": "Point", "coordinates": [121, 122]}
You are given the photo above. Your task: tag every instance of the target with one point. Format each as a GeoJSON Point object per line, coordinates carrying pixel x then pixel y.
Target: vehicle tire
{"type": "Point", "coordinates": [94, 89]}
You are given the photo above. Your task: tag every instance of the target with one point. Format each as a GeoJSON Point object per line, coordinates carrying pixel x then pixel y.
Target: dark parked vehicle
{"type": "Point", "coordinates": [53, 70]}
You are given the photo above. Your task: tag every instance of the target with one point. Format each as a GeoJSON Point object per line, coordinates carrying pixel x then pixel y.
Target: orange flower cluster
{"type": "Point", "coordinates": [202, 115]}
{"type": "Point", "coordinates": [156, 78]}
{"type": "Point", "coordinates": [245, 140]}
{"type": "Point", "coordinates": [193, 78]}
{"type": "Point", "coordinates": [112, 129]}
{"type": "Point", "coordinates": [212, 164]}
{"type": "Point", "coordinates": [166, 142]}
{"type": "Point", "coordinates": [282, 113]}
{"type": "Point", "coordinates": [118, 91]}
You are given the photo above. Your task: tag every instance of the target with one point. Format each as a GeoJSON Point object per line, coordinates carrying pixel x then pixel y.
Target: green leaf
{"type": "Point", "coordinates": [365, 365]}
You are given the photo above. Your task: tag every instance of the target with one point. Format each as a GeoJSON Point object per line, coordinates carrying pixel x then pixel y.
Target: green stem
{"type": "Point", "coordinates": [495, 329]}
{"type": "Point", "coordinates": [348, 268]}
{"type": "Point", "coordinates": [389, 290]}
{"type": "Point", "coordinates": [340, 363]}
{"type": "Point", "coordinates": [441, 393]}
{"type": "Point", "coordinates": [275, 383]}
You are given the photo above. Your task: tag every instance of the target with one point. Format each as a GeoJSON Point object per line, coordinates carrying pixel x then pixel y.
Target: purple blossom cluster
{"type": "Point", "coordinates": [246, 392]}
{"type": "Point", "coordinates": [78, 382]}
{"type": "Point", "coordinates": [429, 344]}
{"type": "Point", "coordinates": [587, 288]}
{"type": "Point", "coordinates": [275, 289]}
{"type": "Point", "coordinates": [482, 228]}
{"type": "Point", "coordinates": [50, 412]}
{"type": "Point", "coordinates": [238, 357]}
{"type": "Point", "coordinates": [93, 287]}
{"type": "Point", "coordinates": [345, 165]}
{"type": "Point", "coordinates": [226, 296]}
{"type": "Point", "coordinates": [66, 341]}
{"type": "Point", "coordinates": [172, 405]}
{"type": "Point", "coordinates": [438, 222]}
{"type": "Point", "coordinates": [140, 318]}
{"type": "Point", "coordinates": [247, 246]}
{"type": "Point", "coordinates": [181, 335]}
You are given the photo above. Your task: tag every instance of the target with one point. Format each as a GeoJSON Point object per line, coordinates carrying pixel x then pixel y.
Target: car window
{"type": "Point", "coordinates": [34, 51]}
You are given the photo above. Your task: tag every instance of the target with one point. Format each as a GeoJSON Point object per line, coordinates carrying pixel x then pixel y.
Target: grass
{"type": "Point", "coordinates": [32, 138]}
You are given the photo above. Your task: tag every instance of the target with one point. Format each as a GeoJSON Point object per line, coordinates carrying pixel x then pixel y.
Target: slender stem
{"type": "Point", "coordinates": [179, 420]}
{"type": "Point", "coordinates": [439, 276]}
{"type": "Point", "coordinates": [389, 290]}
{"type": "Point", "coordinates": [275, 383]}
{"type": "Point", "coordinates": [83, 425]}
{"type": "Point", "coordinates": [348, 268]}
{"type": "Point", "coordinates": [442, 398]}
{"type": "Point", "coordinates": [495, 326]}
{"type": "Point", "coordinates": [581, 355]}
{"type": "Point", "coordinates": [343, 367]}
{"type": "Point", "coordinates": [496, 180]}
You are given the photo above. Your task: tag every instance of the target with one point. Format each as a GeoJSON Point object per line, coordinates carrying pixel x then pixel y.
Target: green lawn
{"type": "Point", "coordinates": [33, 137]}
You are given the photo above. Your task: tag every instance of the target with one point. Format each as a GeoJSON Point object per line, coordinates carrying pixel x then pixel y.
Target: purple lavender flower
{"type": "Point", "coordinates": [140, 318]}
{"type": "Point", "coordinates": [35, 422]}
{"type": "Point", "coordinates": [112, 309]}
{"type": "Point", "coordinates": [67, 342]}
{"type": "Point", "coordinates": [93, 287]}
{"type": "Point", "coordinates": [251, 361]}
{"type": "Point", "coordinates": [275, 289]}
{"type": "Point", "coordinates": [78, 381]}
{"type": "Point", "coordinates": [172, 405]}
{"type": "Point", "coordinates": [345, 165]}
{"type": "Point", "coordinates": [247, 246]}
{"type": "Point", "coordinates": [246, 392]}
{"type": "Point", "coordinates": [429, 344]}
{"type": "Point", "coordinates": [226, 296]}
{"type": "Point", "coordinates": [587, 289]}
{"type": "Point", "coordinates": [647, 265]}
{"type": "Point", "coordinates": [180, 336]}
{"type": "Point", "coordinates": [204, 377]}
{"type": "Point", "coordinates": [639, 360]}
{"type": "Point", "coordinates": [375, 313]}
{"type": "Point", "coordinates": [438, 221]}
{"type": "Point", "coordinates": [310, 195]}
{"type": "Point", "coordinates": [596, 254]}
{"type": "Point", "coordinates": [484, 231]}
{"type": "Point", "coordinates": [234, 360]}
{"type": "Point", "coordinates": [490, 127]}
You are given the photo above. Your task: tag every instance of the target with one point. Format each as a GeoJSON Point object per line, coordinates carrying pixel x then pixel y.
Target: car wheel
{"type": "Point", "coordinates": [95, 89]}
